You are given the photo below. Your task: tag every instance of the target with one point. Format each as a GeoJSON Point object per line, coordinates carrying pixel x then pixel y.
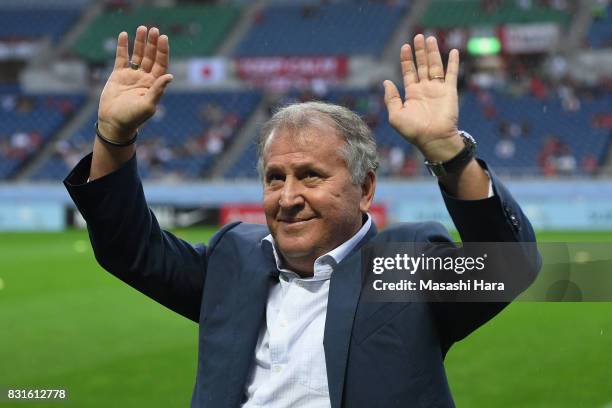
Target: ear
{"type": "Point", "coordinates": [367, 191]}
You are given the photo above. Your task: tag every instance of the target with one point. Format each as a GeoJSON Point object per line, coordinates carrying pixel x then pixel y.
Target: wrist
{"type": "Point", "coordinates": [457, 163]}
{"type": "Point", "coordinates": [442, 149]}
{"type": "Point", "coordinates": [115, 133]}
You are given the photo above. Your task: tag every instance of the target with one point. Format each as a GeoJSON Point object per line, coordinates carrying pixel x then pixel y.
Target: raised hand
{"type": "Point", "coordinates": [135, 86]}
{"type": "Point", "coordinates": [428, 116]}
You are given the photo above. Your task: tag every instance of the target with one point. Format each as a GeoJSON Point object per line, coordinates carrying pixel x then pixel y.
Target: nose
{"type": "Point", "coordinates": [291, 194]}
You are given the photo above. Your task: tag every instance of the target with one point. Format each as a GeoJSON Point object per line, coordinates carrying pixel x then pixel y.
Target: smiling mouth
{"type": "Point", "coordinates": [295, 223]}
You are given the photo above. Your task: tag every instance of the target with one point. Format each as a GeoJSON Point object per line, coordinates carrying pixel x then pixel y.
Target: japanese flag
{"type": "Point", "coordinates": [207, 70]}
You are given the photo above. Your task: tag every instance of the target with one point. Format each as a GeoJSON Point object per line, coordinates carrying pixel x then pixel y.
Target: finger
{"type": "Point", "coordinates": [452, 70]}
{"type": "Point", "coordinates": [139, 45]}
{"type": "Point", "coordinates": [150, 50]}
{"type": "Point", "coordinates": [157, 89]}
{"type": "Point", "coordinates": [421, 57]}
{"type": "Point", "coordinates": [434, 59]}
{"type": "Point", "coordinates": [409, 71]}
{"type": "Point", "coordinates": [392, 97]}
{"type": "Point", "coordinates": [162, 57]}
{"type": "Point", "coordinates": [121, 56]}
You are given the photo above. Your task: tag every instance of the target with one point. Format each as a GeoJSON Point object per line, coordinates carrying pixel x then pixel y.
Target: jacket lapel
{"type": "Point", "coordinates": [250, 308]}
{"type": "Point", "coordinates": [344, 291]}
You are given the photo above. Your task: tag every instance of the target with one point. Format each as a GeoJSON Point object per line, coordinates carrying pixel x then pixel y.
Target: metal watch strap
{"type": "Point", "coordinates": [458, 162]}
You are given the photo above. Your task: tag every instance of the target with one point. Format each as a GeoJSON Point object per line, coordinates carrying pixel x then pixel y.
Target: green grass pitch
{"type": "Point", "coordinates": [67, 324]}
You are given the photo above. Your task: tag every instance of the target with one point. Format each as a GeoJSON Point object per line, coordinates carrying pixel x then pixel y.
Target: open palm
{"type": "Point", "coordinates": [135, 86]}
{"type": "Point", "coordinates": [428, 116]}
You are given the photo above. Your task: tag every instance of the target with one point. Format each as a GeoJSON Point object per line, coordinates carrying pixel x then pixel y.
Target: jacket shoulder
{"type": "Point", "coordinates": [415, 231]}
{"type": "Point", "coordinates": [244, 233]}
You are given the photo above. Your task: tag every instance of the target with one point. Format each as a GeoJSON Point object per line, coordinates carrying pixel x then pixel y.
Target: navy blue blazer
{"type": "Point", "coordinates": [377, 354]}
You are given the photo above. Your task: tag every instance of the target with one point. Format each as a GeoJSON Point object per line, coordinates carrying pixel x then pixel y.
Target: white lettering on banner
{"type": "Point", "coordinates": [528, 38]}
{"type": "Point", "coordinates": [261, 68]}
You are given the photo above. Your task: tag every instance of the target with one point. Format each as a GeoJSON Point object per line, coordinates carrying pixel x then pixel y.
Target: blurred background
{"type": "Point", "coordinates": [535, 91]}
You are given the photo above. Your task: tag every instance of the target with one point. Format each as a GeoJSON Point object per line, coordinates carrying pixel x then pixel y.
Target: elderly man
{"type": "Point", "coordinates": [282, 323]}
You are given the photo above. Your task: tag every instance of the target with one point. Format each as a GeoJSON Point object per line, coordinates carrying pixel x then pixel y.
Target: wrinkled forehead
{"type": "Point", "coordinates": [321, 137]}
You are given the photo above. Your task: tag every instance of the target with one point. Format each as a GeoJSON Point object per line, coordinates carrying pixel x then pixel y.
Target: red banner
{"type": "Point", "coordinates": [254, 214]}
{"type": "Point", "coordinates": [264, 69]}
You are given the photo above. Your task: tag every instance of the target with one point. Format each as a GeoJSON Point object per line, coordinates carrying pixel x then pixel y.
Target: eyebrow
{"type": "Point", "coordinates": [298, 167]}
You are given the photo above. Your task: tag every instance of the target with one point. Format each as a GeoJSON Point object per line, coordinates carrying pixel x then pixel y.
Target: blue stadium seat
{"type": "Point", "coordinates": [331, 29]}
{"type": "Point", "coordinates": [600, 32]}
{"type": "Point", "coordinates": [27, 121]}
{"type": "Point", "coordinates": [30, 24]}
{"type": "Point", "coordinates": [544, 119]}
{"type": "Point", "coordinates": [174, 143]}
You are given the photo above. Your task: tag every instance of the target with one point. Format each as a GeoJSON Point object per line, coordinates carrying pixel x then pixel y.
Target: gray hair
{"type": "Point", "coordinates": [359, 150]}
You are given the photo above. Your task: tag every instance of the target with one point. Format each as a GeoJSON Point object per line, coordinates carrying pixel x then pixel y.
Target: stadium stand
{"type": "Point", "coordinates": [27, 121]}
{"type": "Point", "coordinates": [20, 23]}
{"type": "Point", "coordinates": [196, 30]}
{"type": "Point", "coordinates": [520, 133]}
{"type": "Point", "coordinates": [308, 29]}
{"type": "Point", "coordinates": [189, 131]}
{"type": "Point", "coordinates": [395, 155]}
{"type": "Point", "coordinates": [45, 4]}
{"type": "Point", "coordinates": [475, 13]}
{"type": "Point", "coordinates": [529, 135]}
{"type": "Point", "coordinates": [600, 33]}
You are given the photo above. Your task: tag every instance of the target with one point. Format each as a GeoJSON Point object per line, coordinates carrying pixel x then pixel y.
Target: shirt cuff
{"type": "Point", "coordinates": [491, 192]}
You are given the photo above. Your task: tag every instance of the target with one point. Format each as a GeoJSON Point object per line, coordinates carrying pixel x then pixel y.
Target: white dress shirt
{"type": "Point", "coordinates": [289, 369]}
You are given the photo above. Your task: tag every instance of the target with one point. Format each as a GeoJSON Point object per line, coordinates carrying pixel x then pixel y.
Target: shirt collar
{"type": "Point", "coordinates": [323, 265]}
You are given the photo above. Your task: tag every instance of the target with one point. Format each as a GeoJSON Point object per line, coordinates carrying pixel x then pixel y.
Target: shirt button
{"type": "Point", "coordinates": [277, 369]}
{"type": "Point", "coordinates": [283, 323]}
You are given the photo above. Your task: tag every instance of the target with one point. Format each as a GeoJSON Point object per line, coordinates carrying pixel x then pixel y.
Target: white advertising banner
{"type": "Point", "coordinates": [529, 38]}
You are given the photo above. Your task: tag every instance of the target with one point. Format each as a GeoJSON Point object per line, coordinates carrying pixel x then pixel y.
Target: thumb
{"type": "Point", "coordinates": [157, 89]}
{"type": "Point", "coordinates": [392, 97]}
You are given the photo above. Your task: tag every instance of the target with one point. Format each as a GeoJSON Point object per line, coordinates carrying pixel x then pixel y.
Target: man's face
{"type": "Point", "coordinates": [310, 202]}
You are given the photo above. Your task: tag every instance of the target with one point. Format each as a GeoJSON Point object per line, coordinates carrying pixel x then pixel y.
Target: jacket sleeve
{"type": "Point", "coordinates": [128, 242]}
{"type": "Point", "coordinates": [495, 219]}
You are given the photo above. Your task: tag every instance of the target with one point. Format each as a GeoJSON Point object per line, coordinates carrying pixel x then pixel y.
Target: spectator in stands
{"type": "Point", "coordinates": [397, 156]}
{"type": "Point", "coordinates": [384, 164]}
{"type": "Point", "coordinates": [549, 150]}
{"type": "Point", "coordinates": [524, 4]}
{"type": "Point", "coordinates": [8, 102]}
{"type": "Point", "coordinates": [564, 161]}
{"type": "Point", "coordinates": [212, 113]}
{"type": "Point", "coordinates": [602, 120]}
{"type": "Point", "coordinates": [590, 164]}
{"type": "Point", "coordinates": [556, 158]}
{"type": "Point", "coordinates": [282, 320]}
{"type": "Point", "coordinates": [411, 167]}
{"type": "Point", "coordinates": [569, 100]}
{"type": "Point", "coordinates": [487, 103]}
{"type": "Point", "coordinates": [309, 10]}
{"type": "Point", "coordinates": [4, 146]}
{"type": "Point", "coordinates": [24, 104]}
{"type": "Point", "coordinates": [505, 148]}
{"type": "Point", "coordinates": [490, 6]}
{"type": "Point", "coordinates": [65, 106]}
{"type": "Point", "coordinates": [24, 143]}
{"type": "Point", "coordinates": [538, 88]}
